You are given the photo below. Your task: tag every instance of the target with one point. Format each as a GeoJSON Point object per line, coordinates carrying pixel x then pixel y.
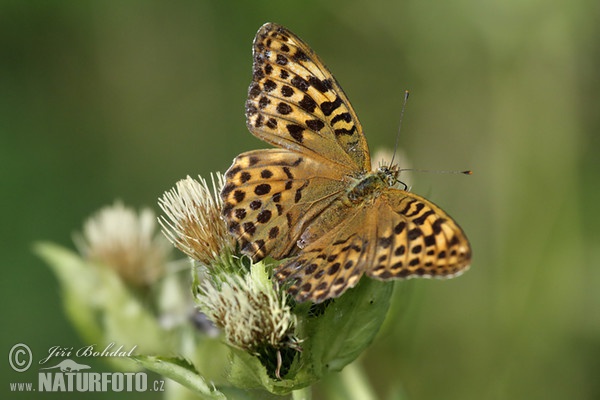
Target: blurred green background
{"type": "Point", "coordinates": [114, 99]}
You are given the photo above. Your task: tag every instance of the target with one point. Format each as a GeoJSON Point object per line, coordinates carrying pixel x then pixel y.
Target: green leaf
{"type": "Point", "coordinates": [247, 372]}
{"type": "Point", "coordinates": [76, 281]}
{"type": "Point", "coordinates": [348, 325]}
{"type": "Point", "coordinates": [182, 372]}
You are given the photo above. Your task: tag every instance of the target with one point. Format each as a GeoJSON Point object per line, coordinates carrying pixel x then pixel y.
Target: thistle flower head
{"type": "Point", "coordinates": [193, 219]}
{"type": "Point", "coordinates": [127, 242]}
{"type": "Point", "coordinates": [251, 313]}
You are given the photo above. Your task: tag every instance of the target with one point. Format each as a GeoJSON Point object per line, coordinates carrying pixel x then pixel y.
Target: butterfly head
{"type": "Point", "coordinates": [389, 174]}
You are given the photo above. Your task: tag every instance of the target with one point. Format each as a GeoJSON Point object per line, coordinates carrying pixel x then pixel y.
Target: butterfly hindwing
{"type": "Point", "coordinates": [398, 236]}
{"type": "Point", "coordinates": [415, 238]}
{"type": "Point", "coordinates": [333, 263]}
{"type": "Point", "coordinates": [270, 195]}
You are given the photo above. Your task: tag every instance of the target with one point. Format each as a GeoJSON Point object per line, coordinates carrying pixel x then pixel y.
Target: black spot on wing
{"type": "Point", "coordinates": [281, 60]}
{"type": "Point", "coordinates": [269, 85]}
{"type": "Point", "coordinates": [329, 107]}
{"type": "Point", "coordinates": [300, 56]}
{"type": "Point", "coordinates": [308, 104]}
{"type": "Point", "coordinates": [344, 131]}
{"type": "Point", "coordinates": [321, 85]}
{"type": "Point", "coordinates": [284, 108]}
{"type": "Point", "coordinates": [295, 131]}
{"type": "Point", "coordinates": [342, 117]}
{"type": "Point", "coordinates": [262, 189]}
{"type": "Point", "coordinates": [287, 91]}
{"type": "Point", "coordinates": [300, 83]}
{"type": "Point", "coordinates": [314, 124]}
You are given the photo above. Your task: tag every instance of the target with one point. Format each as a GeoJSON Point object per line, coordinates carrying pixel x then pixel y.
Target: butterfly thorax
{"type": "Point", "coordinates": [370, 185]}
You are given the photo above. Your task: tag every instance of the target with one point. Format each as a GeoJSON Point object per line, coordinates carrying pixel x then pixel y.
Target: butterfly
{"type": "Point", "coordinates": [313, 201]}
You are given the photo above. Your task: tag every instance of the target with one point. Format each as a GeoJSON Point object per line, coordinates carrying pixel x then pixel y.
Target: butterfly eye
{"type": "Point", "coordinates": [389, 175]}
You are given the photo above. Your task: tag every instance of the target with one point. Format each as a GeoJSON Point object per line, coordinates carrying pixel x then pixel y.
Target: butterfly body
{"type": "Point", "coordinates": [313, 200]}
{"type": "Point", "coordinates": [368, 187]}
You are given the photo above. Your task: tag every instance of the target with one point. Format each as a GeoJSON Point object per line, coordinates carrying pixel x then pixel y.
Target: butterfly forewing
{"type": "Point", "coordinates": [313, 200]}
{"type": "Point", "coordinates": [294, 102]}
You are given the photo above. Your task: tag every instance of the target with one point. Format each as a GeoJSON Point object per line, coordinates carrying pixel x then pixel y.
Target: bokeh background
{"type": "Point", "coordinates": [118, 100]}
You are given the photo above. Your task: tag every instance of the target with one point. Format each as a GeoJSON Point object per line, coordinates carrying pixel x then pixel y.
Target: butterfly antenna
{"type": "Point", "coordinates": [437, 171]}
{"type": "Point", "coordinates": [406, 93]}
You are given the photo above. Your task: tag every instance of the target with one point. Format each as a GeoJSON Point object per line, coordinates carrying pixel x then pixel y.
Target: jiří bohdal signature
{"type": "Point", "coordinates": [87, 351]}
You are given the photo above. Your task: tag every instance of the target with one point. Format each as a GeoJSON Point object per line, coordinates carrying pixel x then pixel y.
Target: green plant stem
{"type": "Point", "coordinates": [350, 384]}
{"type": "Point", "coordinates": [302, 394]}
{"type": "Point", "coordinates": [356, 381]}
